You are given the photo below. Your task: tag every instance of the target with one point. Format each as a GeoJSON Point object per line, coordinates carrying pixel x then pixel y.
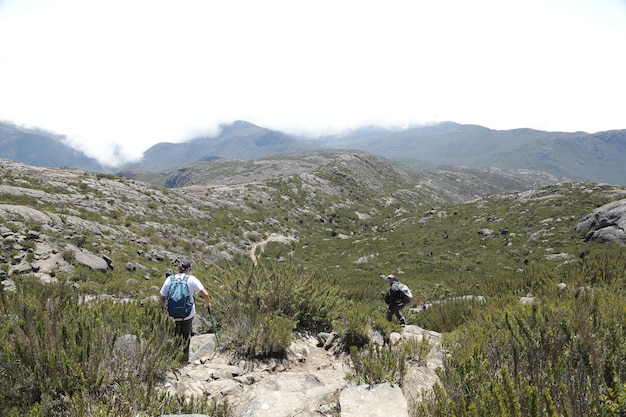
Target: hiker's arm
{"type": "Point", "coordinates": [163, 299]}
{"type": "Point", "coordinates": [205, 295]}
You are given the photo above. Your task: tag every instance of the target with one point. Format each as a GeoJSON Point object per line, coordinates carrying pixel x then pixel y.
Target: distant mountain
{"type": "Point", "coordinates": [577, 156]}
{"type": "Point", "coordinates": [41, 148]}
{"type": "Point", "coordinates": [240, 140]}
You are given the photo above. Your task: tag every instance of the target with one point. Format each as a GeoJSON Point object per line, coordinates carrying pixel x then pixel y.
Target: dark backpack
{"type": "Point", "coordinates": [179, 303]}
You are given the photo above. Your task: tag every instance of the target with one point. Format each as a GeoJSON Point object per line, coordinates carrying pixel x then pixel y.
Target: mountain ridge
{"type": "Point", "coordinates": [42, 148]}
{"type": "Point", "coordinates": [576, 156]}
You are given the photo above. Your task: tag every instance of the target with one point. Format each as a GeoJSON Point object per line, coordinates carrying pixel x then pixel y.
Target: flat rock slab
{"type": "Point", "coordinates": [373, 401]}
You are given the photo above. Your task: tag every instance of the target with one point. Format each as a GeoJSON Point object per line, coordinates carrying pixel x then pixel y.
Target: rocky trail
{"type": "Point", "coordinates": [310, 381]}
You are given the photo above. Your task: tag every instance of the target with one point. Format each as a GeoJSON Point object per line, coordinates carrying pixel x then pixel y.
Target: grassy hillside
{"type": "Point", "coordinates": [326, 235]}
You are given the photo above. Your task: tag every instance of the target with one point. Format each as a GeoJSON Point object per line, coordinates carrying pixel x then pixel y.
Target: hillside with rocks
{"type": "Point", "coordinates": [90, 213]}
{"type": "Point", "coordinates": [94, 215]}
{"type": "Point", "coordinates": [58, 222]}
{"type": "Point", "coordinates": [351, 214]}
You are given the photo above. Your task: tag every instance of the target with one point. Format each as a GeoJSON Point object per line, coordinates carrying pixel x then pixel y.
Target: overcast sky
{"type": "Point", "coordinates": [118, 76]}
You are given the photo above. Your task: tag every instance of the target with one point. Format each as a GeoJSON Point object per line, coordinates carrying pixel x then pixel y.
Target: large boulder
{"type": "Point", "coordinates": [94, 262]}
{"type": "Point", "coordinates": [606, 223]}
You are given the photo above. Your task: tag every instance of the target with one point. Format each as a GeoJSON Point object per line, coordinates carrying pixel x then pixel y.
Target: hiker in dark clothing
{"type": "Point", "coordinates": [396, 298]}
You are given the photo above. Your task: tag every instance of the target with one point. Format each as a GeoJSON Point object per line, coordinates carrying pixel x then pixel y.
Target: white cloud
{"type": "Point", "coordinates": [131, 74]}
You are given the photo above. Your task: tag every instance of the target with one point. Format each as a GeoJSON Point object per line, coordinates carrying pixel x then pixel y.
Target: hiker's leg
{"type": "Point", "coordinates": [400, 317]}
{"type": "Point", "coordinates": [185, 326]}
{"type": "Point", "coordinates": [394, 311]}
{"type": "Point", "coordinates": [389, 314]}
{"type": "Point", "coordinates": [178, 329]}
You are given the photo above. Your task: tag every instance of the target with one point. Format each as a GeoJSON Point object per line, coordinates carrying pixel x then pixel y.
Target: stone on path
{"type": "Point", "coordinates": [373, 401]}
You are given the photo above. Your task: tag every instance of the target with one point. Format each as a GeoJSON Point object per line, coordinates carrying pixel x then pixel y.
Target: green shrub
{"type": "Point", "coordinates": [69, 256]}
{"type": "Point", "coordinates": [448, 315]}
{"type": "Point", "coordinates": [374, 364]}
{"type": "Point", "coordinates": [259, 310]}
{"type": "Point", "coordinates": [563, 355]}
{"type": "Point", "coordinates": [354, 325]}
{"type": "Point", "coordinates": [613, 403]}
{"type": "Point", "coordinates": [58, 357]}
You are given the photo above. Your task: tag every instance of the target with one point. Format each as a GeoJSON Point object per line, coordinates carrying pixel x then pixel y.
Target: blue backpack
{"type": "Point", "coordinates": [179, 303]}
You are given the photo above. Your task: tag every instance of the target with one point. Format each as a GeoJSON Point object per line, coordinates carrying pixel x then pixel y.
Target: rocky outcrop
{"type": "Point", "coordinates": [311, 381]}
{"type": "Point", "coordinates": [606, 224]}
{"type": "Point", "coordinates": [39, 255]}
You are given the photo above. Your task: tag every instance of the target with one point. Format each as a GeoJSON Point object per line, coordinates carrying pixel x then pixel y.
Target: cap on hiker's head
{"type": "Point", "coordinates": [391, 278]}
{"type": "Point", "coordinates": [185, 263]}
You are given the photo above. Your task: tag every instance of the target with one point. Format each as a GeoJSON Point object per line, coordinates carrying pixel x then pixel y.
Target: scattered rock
{"type": "Point", "coordinates": [311, 380]}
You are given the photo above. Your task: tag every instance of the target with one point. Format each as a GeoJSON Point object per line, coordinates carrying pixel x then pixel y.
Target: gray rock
{"type": "Point", "coordinates": [373, 401]}
{"type": "Point", "coordinates": [33, 234]}
{"type": "Point", "coordinates": [22, 268]}
{"type": "Point", "coordinates": [606, 223]}
{"type": "Point", "coordinates": [9, 285]}
{"type": "Point", "coordinates": [5, 232]}
{"type": "Point", "coordinates": [88, 259]}
{"type": "Point", "coordinates": [30, 214]}
{"type": "Point", "coordinates": [302, 386]}
{"type": "Point", "coordinates": [125, 356]}
{"type": "Point", "coordinates": [276, 404]}
{"type": "Point", "coordinates": [376, 337]}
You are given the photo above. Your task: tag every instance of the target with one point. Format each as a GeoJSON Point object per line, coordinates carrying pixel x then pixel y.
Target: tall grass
{"type": "Point", "coordinates": [563, 355]}
{"type": "Point", "coordinates": [261, 307]}
{"type": "Point", "coordinates": [61, 357]}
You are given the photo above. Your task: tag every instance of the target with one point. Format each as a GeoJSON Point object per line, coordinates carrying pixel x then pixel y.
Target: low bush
{"type": "Point", "coordinates": [446, 316]}
{"type": "Point", "coordinates": [562, 355]}
{"type": "Point", "coordinates": [374, 364]}
{"type": "Point", "coordinates": [260, 309]}
{"type": "Point", "coordinates": [61, 357]}
{"type": "Point", "coordinates": [354, 324]}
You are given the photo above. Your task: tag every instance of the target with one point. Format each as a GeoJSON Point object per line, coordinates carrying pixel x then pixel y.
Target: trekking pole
{"type": "Point", "coordinates": [217, 342]}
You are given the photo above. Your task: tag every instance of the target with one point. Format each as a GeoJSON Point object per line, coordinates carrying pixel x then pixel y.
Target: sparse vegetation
{"type": "Point", "coordinates": [561, 355]}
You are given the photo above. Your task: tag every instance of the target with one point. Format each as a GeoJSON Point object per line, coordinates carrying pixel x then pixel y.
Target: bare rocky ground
{"type": "Point", "coordinates": [311, 381]}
